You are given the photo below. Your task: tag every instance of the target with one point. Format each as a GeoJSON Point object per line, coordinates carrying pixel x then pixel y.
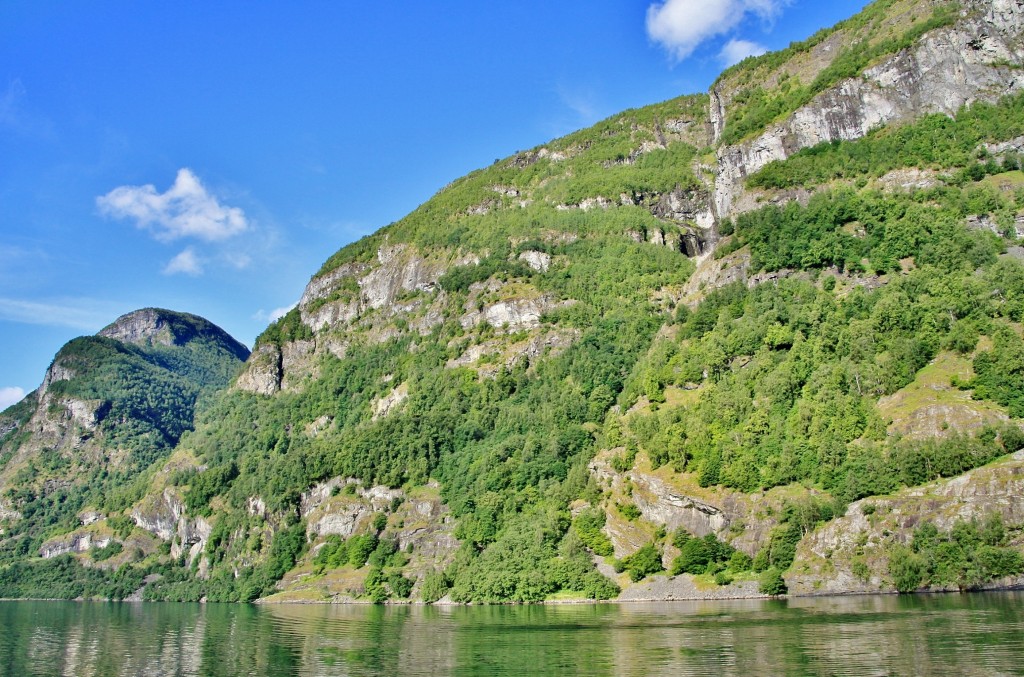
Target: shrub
{"type": "Point", "coordinates": [772, 582]}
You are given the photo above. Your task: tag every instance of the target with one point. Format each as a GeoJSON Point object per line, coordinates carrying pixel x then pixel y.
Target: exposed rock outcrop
{"type": "Point", "coordinates": [539, 261]}
{"type": "Point", "coordinates": [160, 327]}
{"type": "Point", "coordinates": [513, 314]}
{"type": "Point", "coordinates": [263, 372]}
{"type": "Point", "coordinates": [163, 514]}
{"type": "Point", "coordinates": [499, 353]}
{"type": "Point", "coordinates": [76, 542]}
{"type": "Point", "coordinates": [385, 405]}
{"type": "Point", "coordinates": [825, 558]}
{"type": "Point", "coordinates": [977, 58]}
{"type": "Point", "coordinates": [742, 520]}
{"type": "Point", "coordinates": [330, 300]}
{"type": "Point", "coordinates": [147, 326]}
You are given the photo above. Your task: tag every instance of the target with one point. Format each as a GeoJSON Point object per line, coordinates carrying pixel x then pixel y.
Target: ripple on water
{"type": "Point", "coordinates": [871, 635]}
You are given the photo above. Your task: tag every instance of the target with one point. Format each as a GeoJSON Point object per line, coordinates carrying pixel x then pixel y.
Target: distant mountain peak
{"type": "Point", "coordinates": [141, 327]}
{"type": "Point", "coordinates": [158, 326]}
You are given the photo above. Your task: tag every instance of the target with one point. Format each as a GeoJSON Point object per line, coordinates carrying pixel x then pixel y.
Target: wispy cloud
{"type": "Point", "coordinates": [681, 25]}
{"type": "Point", "coordinates": [9, 102]}
{"type": "Point", "coordinates": [580, 102]}
{"type": "Point", "coordinates": [10, 395]}
{"type": "Point", "coordinates": [82, 314]}
{"type": "Point", "coordinates": [186, 209]}
{"type": "Point", "coordinates": [237, 260]}
{"type": "Point", "coordinates": [273, 315]}
{"type": "Point", "coordinates": [186, 262]}
{"type": "Point", "coordinates": [737, 50]}
{"type": "Point", "coordinates": [15, 117]}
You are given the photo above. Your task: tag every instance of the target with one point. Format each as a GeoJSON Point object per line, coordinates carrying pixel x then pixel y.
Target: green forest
{"type": "Point", "coordinates": [734, 388]}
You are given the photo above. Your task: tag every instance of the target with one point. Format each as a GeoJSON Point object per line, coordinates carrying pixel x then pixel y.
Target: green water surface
{"type": "Point", "coordinates": [975, 634]}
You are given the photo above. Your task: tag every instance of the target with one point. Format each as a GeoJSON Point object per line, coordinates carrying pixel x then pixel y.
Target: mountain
{"type": "Point", "coordinates": [762, 337]}
{"type": "Point", "coordinates": [111, 407]}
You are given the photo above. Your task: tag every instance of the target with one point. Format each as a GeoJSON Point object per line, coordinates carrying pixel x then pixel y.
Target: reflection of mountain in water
{"type": "Point", "coordinates": [835, 635]}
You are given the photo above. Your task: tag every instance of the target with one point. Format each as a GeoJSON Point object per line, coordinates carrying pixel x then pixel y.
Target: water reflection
{"type": "Point", "coordinates": [980, 634]}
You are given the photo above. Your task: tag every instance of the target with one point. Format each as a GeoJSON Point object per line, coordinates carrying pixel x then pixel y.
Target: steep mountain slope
{"type": "Point", "coordinates": [702, 336]}
{"type": "Point", "coordinates": [110, 406]}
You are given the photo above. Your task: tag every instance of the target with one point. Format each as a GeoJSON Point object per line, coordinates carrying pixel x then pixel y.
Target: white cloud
{"type": "Point", "coordinates": [681, 25]}
{"type": "Point", "coordinates": [278, 313]}
{"type": "Point", "coordinates": [736, 50]}
{"type": "Point", "coordinates": [273, 315]}
{"type": "Point", "coordinates": [78, 313]}
{"type": "Point", "coordinates": [238, 260]}
{"type": "Point", "coordinates": [579, 101]}
{"type": "Point", "coordinates": [186, 262]}
{"type": "Point", "coordinates": [10, 395]}
{"type": "Point", "coordinates": [186, 209]}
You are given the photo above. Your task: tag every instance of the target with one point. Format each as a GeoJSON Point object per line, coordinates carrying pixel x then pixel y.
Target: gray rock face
{"type": "Point", "coordinates": [511, 315]}
{"type": "Point", "coordinates": [164, 516]}
{"type": "Point", "coordinates": [328, 512]}
{"type": "Point", "coordinates": [263, 372]}
{"type": "Point", "coordinates": [7, 514]}
{"type": "Point", "coordinates": [422, 523]}
{"type": "Point", "coordinates": [399, 270]}
{"type": "Point", "coordinates": [145, 326]}
{"type": "Point", "coordinates": [551, 343]}
{"type": "Point", "coordinates": [298, 361]}
{"type": "Point", "coordinates": [73, 543]}
{"type": "Point", "coordinates": [87, 517]}
{"type": "Point", "coordinates": [192, 537]}
{"type": "Point", "coordinates": [661, 505]}
{"type": "Point", "coordinates": [539, 261]}
{"type": "Point", "coordinates": [321, 287]}
{"type": "Point", "coordinates": [824, 561]}
{"type": "Point", "coordinates": [969, 61]}
{"type": "Point", "coordinates": [728, 514]}
{"type": "Point", "coordinates": [160, 515]}
{"type": "Point", "coordinates": [385, 405]}
{"type": "Point", "coordinates": [686, 207]}
{"type": "Point", "coordinates": [57, 372]}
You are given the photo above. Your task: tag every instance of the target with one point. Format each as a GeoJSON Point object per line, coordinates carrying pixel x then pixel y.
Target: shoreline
{"type": "Point", "coordinates": [1017, 585]}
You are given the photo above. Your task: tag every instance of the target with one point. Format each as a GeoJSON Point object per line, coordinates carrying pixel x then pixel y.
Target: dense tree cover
{"type": "Point", "coordinates": [503, 448]}
{"type": "Point", "coordinates": [532, 558]}
{"type": "Point", "coordinates": [781, 381]}
{"type": "Point", "coordinates": [355, 550]}
{"type": "Point", "coordinates": [143, 403]}
{"type": "Point", "coordinates": [970, 554]}
{"type": "Point", "coordinates": [934, 142]}
{"type": "Point", "coordinates": [284, 330]}
{"type": "Point", "coordinates": [588, 525]}
{"type": "Point", "coordinates": [772, 582]}
{"type": "Point", "coordinates": [643, 563]}
{"type": "Point", "coordinates": [62, 577]}
{"type": "Point", "coordinates": [789, 374]}
{"type": "Point", "coordinates": [854, 230]}
{"type": "Point", "coordinates": [1000, 372]}
{"type": "Point", "coordinates": [706, 555]}
{"type": "Point", "coordinates": [144, 398]}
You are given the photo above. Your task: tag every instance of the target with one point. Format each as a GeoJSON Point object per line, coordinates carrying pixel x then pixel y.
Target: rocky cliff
{"type": "Point", "coordinates": [402, 282]}
{"type": "Point", "coordinates": [109, 407]}
{"type": "Point", "coordinates": [551, 377]}
{"type": "Point", "coordinates": [976, 58]}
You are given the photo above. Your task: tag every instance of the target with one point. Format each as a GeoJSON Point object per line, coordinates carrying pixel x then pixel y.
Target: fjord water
{"type": "Point", "coordinates": [975, 634]}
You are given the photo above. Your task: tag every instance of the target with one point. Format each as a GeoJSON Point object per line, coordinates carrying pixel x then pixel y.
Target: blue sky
{"type": "Point", "coordinates": [208, 157]}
